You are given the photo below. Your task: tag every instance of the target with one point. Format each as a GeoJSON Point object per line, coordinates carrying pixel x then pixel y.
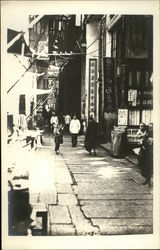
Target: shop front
{"type": "Point", "coordinates": [128, 83]}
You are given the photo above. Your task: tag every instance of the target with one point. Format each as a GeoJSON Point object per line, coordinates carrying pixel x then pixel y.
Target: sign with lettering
{"type": "Point", "coordinates": [53, 70]}
{"type": "Point", "coordinates": [122, 117]}
{"type": "Point", "coordinates": [92, 87]}
{"type": "Point", "coordinates": [108, 83]}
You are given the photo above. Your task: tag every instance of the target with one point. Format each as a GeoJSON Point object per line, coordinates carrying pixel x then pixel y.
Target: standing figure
{"type": "Point", "coordinates": [54, 121]}
{"type": "Point", "coordinates": [74, 130]}
{"type": "Point", "coordinates": [142, 130]}
{"type": "Point", "coordinates": [91, 136]}
{"type": "Point", "coordinates": [58, 137]}
{"type": "Point", "coordinates": [61, 119]}
{"type": "Point", "coordinates": [67, 122]}
{"type": "Point", "coordinates": [146, 156]}
{"type": "Point", "coordinates": [46, 114]}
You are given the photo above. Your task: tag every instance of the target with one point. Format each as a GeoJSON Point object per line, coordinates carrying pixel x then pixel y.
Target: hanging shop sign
{"type": "Point", "coordinates": [132, 96]}
{"type": "Point", "coordinates": [122, 117]}
{"type": "Point", "coordinates": [42, 50]}
{"type": "Point", "coordinates": [92, 87]}
{"type": "Point", "coordinates": [53, 70]}
{"type": "Point", "coordinates": [108, 83]}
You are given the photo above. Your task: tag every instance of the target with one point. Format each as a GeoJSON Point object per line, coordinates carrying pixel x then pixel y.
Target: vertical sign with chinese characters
{"type": "Point", "coordinates": [92, 87]}
{"type": "Point", "coordinates": [109, 91]}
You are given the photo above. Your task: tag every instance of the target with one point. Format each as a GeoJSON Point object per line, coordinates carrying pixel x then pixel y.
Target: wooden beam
{"type": "Point", "coordinates": [113, 21]}
{"type": "Point", "coordinates": [35, 21]}
{"type": "Point", "coordinates": [14, 40]}
{"type": "Point", "coordinates": [22, 32]}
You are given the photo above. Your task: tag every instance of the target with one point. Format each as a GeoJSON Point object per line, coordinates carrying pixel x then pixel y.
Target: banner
{"type": "Point", "coordinates": [92, 87]}
{"type": "Point", "coordinates": [109, 89]}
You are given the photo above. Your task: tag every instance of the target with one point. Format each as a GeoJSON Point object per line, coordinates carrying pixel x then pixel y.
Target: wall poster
{"type": "Point", "coordinates": [122, 117]}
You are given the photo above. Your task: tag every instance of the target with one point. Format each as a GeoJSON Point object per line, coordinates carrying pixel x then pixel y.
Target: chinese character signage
{"type": "Point", "coordinates": [132, 96]}
{"type": "Point", "coordinates": [92, 87]}
{"type": "Point", "coordinates": [108, 83]}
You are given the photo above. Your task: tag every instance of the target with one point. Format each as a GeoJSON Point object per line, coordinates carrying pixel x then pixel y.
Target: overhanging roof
{"type": "Point", "coordinates": [113, 21]}
{"type": "Point", "coordinates": [16, 48]}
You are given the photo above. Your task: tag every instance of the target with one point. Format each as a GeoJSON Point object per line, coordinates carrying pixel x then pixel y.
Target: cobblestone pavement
{"type": "Point", "coordinates": [96, 195]}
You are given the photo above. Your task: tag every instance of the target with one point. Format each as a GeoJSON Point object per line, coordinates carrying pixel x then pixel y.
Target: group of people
{"type": "Point", "coordinates": [145, 133]}
{"type": "Point", "coordinates": [61, 124]}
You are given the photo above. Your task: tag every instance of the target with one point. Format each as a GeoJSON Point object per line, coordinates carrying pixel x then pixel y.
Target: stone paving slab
{"type": "Point", "coordinates": [79, 168]}
{"type": "Point", "coordinates": [118, 202]}
{"type": "Point", "coordinates": [98, 177]}
{"type": "Point", "coordinates": [46, 197]}
{"type": "Point", "coordinates": [115, 197]}
{"type": "Point", "coordinates": [125, 230]}
{"type": "Point", "coordinates": [62, 230]}
{"type": "Point", "coordinates": [129, 210]}
{"type": "Point", "coordinates": [84, 160]}
{"type": "Point", "coordinates": [122, 222]}
{"type": "Point", "coordinates": [110, 187]}
{"type": "Point", "coordinates": [64, 188]}
{"type": "Point", "coordinates": [67, 199]}
{"type": "Point", "coordinates": [82, 225]}
{"type": "Point", "coordinates": [63, 176]}
{"type": "Point", "coordinates": [59, 215]}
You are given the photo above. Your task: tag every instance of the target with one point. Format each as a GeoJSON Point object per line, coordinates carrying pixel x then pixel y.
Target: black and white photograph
{"type": "Point", "coordinates": [80, 124]}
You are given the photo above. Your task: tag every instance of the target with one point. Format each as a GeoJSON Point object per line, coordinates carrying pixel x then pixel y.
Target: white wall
{"type": "Point", "coordinates": [13, 72]}
{"type": "Point", "coordinates": [108, 39]}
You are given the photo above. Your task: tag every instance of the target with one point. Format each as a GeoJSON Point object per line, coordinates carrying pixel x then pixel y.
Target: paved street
{"type": "Point", "coordinates": [94, 195]}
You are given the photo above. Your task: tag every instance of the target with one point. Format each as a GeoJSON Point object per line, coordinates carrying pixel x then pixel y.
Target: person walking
{"type": "Point", "coordinates": [91, 136]}
{"type": "Point", "coordinates": [54, 121]}
{"type": "Point", "coordinates": [61, 119]}
{"type": "Point", "coordinates": [58, 137]}
{"type": "Point", "coordinates": [74, 130]}
{"type": "Point", "coordinates": [67, 123]}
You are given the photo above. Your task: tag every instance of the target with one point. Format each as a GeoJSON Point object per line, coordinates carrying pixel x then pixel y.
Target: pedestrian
{"type": "Point", "coordinates": [141, 133]}
{"type": "Point", "coordinates": [146, 156]}
{"type": "Point", "coordinates": [54, 121]}
{"type": "Point", "coordinates": [142, 130]}
{"type": "Point", "coordinates": [74, 130]}
{"type": "Point", "coordinates": [58, 137]}
{"type": "Point", "coordinates": [91, 136]}
{"type": "Point", "coordinates": [82, 130]}
{"type": "Point", "coordinates": [61, 119]}
{"type": "Point", "coordinates": [67, 122]}
{"type": "Point", "coordinates": [46, 114]}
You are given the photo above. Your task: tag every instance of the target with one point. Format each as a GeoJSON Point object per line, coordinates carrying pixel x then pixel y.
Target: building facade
{"type": "Point", "coordinates": [19, 83]}
{"type": "Point", "coordinates": [124, 61]}
{"type": "Point", "coordinates": [132, 60]}
{"type": "Point", "coordinates": [105, 67]}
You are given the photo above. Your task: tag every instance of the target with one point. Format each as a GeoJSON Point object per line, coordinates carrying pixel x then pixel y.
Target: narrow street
{"type": "Point", "coordinates": [88, 72]}
{"type": "Point", "coordinates": [92, 195]}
